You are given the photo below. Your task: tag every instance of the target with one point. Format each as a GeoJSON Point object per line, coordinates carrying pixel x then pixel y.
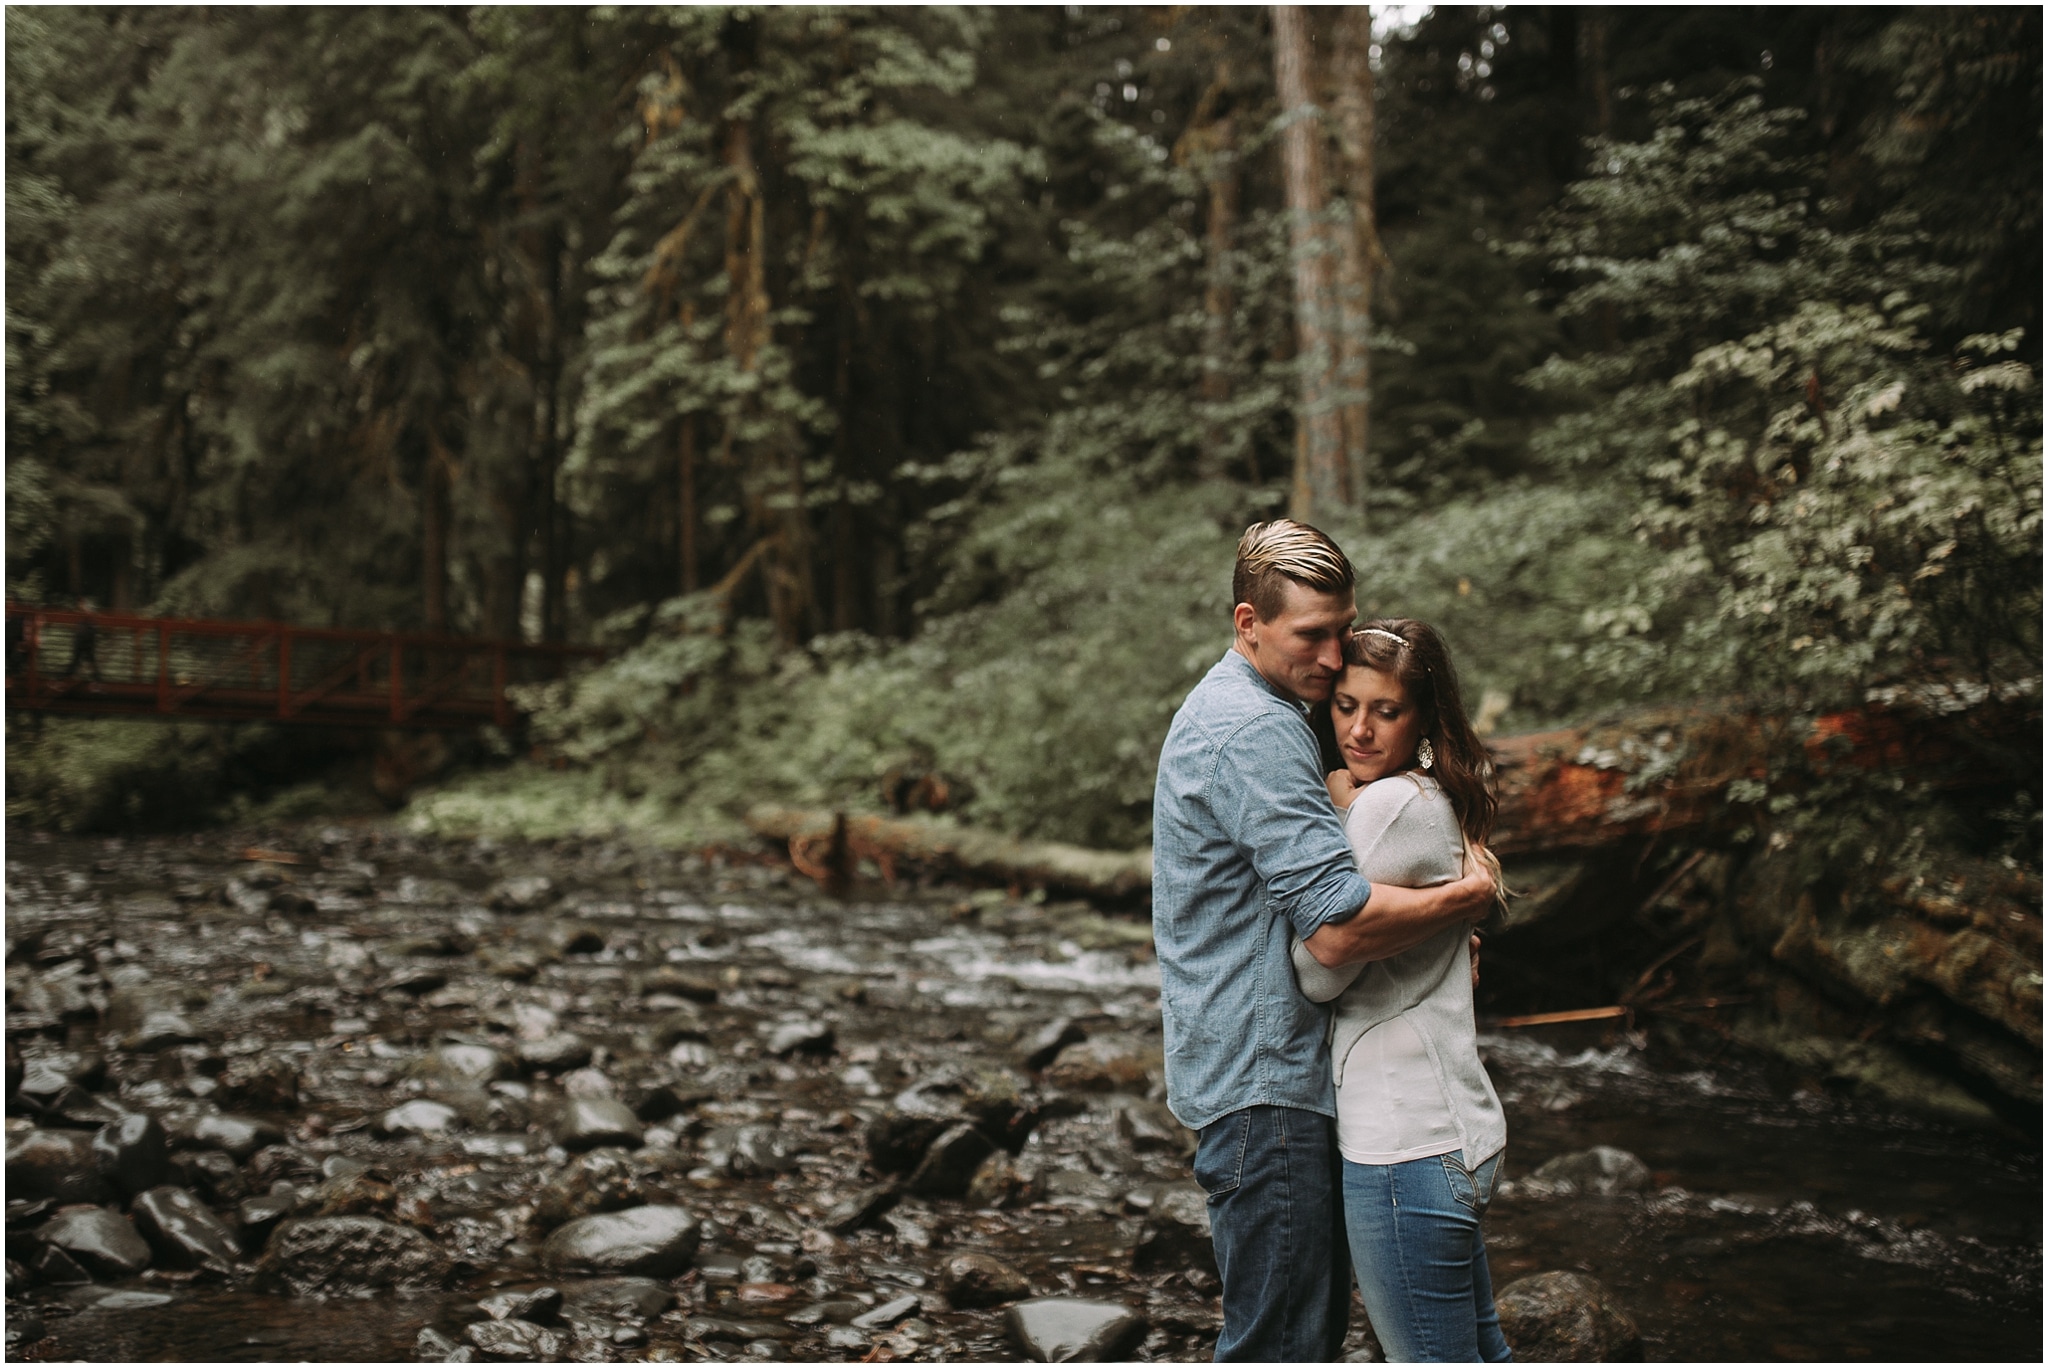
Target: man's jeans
{"type": "Point", "coordinates": [1421, 1259]}
{"type": "Point", "coordinates": [1271, 1174]}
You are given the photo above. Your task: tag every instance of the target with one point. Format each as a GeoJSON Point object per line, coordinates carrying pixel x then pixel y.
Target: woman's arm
{"type": "Point", "coordinates": [1403, 836]}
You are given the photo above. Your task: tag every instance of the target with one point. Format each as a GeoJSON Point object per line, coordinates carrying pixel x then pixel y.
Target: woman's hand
{"type": "Point", "coordinates": [1343, 788]}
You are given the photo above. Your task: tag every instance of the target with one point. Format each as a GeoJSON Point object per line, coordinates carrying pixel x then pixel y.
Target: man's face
{"type": "Point", "coordinates": [1301, 651]}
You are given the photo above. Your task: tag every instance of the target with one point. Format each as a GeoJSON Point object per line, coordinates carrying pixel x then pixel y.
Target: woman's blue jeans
{"type": "Point", "coordinates": [1421, 1260]}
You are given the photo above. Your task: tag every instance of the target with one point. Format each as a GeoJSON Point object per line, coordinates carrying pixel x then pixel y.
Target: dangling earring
{"type": "Point", "coordinates": [1425, 754]}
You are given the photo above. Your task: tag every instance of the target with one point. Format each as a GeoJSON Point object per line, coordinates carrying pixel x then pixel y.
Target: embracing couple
{"type": "Point", "coordinates": [1313, 970]}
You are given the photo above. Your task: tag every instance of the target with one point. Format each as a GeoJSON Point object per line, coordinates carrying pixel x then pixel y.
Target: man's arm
{"type": "Point", "coordinates": [1396, 919]}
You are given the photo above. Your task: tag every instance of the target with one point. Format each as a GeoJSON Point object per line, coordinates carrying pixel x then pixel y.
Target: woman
{"type": "Point", "coordinates": [1418, 1123]}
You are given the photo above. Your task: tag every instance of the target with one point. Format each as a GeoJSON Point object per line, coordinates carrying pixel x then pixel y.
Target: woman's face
{"type": "Point", "coordinates": [1378, 728]}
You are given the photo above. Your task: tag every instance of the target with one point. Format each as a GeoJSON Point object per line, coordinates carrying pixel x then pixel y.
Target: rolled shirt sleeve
{"type": "Point", "coordinates": [1267, 793]}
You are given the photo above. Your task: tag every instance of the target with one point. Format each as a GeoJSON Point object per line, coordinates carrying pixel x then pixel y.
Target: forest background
{"type": "Point", "coordinates": [886, 388]}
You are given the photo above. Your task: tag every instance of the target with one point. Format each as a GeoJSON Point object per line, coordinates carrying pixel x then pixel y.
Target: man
{"type": "Point", "coordinates": [1248, 851]}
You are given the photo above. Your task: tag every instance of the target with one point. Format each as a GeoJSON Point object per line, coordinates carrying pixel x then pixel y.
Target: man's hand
{"type": "Point", "coordinates": [1343, 788]}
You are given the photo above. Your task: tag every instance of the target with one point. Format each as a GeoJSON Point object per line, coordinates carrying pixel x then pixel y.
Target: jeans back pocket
{"type": "Point", "coordinates": [1219, 1154]}
{"type": "Point", "coordinates": [1473, 1188]}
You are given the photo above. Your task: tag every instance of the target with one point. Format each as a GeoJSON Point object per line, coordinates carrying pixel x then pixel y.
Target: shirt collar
{"type": "Point", "coordinates": [1251, 672]}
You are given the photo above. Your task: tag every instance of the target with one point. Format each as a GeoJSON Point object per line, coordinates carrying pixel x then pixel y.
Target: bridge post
{"type": "Point", "coordinates": [284, 673]}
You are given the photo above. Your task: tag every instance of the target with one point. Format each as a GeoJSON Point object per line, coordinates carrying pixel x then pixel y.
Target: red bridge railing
{"type": "Point", "coordinates": [66, 661]}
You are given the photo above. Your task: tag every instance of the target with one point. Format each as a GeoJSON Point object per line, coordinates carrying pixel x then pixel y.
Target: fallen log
{"type": "Point", "coordinates": [827, 845]}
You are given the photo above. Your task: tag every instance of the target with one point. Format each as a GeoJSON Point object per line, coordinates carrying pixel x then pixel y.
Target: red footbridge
{"type": "Point", "coordinates": [119, 664]}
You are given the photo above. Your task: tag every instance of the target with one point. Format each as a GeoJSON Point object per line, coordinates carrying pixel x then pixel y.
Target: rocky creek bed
{"type": "Point", "coordinates": [344, 1094]}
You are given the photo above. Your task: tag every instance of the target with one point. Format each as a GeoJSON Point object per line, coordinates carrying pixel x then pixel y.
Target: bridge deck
{"type": "Point", "coordinates": [113, 664]}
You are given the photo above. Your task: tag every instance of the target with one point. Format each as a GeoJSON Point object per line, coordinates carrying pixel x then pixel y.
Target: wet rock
{"type": "Point", "coordinates": [46, 1075]}
{"type": "Point", "coordinates": [353, 1194]}
{"type": "Point", "coordinates": [887, 1314]}
{"type": "Point", "coordinates": [1176, 1232]}
{"type": "Point", "coordinates": [1600, 1171]}
{"type": "Point", "coordinates": [523, 894]}
{"type": "Point", "coordinates": [132, 1153]}
{"type": "Point", "coordinates": [1104, 1064]}
{"type": "Point", "coordinates": [605, 1179]}
{"type": "Point", "coordinates": [287, 1163]}
{"type": "Point", "coordinates": [995, 1100]}
{"type": "Point", "coordinates": [625, 1299]}
{"type": "Point", "coordinates": [101, 1241]}
{"type": "Point", "coordinates": [431, 1346]}
{"type": "Point", "coordinates": [736, 1332]}
{"type": "Point", "coordinates": [213, 1175]}
{"type": "Point", "coordinates": [1069, 1329]}
{"type": "Point", "coordinates": [1566, 1318]}
{"type": "Point", "coordinates": [236, 1136]}
{"type": "Point", "coordinates": [679, 982]}
{"type": "Point", "coordinates": [141, 1020]}
{"type": "Point", "coordinates": [833, 1311]}
{"type": "Point", "coordinates": [858, 1209]}
{"type": "Point", "coordinates": [1044, 1045]}
{"type": "Point", "coordinates": [913, 1230]}
{"type": "Point", "coordinates": [515, 962]}
{"type": "Point", "coordinates": [660, 1102]}
{"type": "Point", "coordinates": [950, 1163]}
{"type": "Point", "coordinates": [113, 1299]}
{"type": "Point", "coordinates": [1143, 1124]}
{"type": "Point", "coordinates": [59, 1165]}
{"type": "Point", "coordinates": [541, 1306]}
{"type": "Point", "coordinates": [896, 1142]}
{"type": "Point", "coordinates": [800, 1037]}
{"type": "Point", "coordinates": [996, 1182]}
{"type": "Point", "coordinates": [971, 1280]}
{"type": "Point", "coordinates": [1076, 1187]}
{"type": "Point", "coordinates": [53, 1267]}
{"type": "Point", "coordinates": [261, 1082]}
{"type": "Point", "coordinates": [421, 1116]}
{"type": "Point", "coordinates": [260, 1215]}
{"type": "Point", "coordinates": [415, 979]}
{"type": "Point", "coordinates": [746, 1151]}
{"type": "Point", "coordinates": [655, 1241]}
{"type": "Point", "coordinates": [185, 1232]}
{"type": "Point", "coordinates": [514, 1339]}
{"type": "Point", "coordinates": [587, 1122]}
{"type": "Point", "coordinates": [340, 1255]}
{"type": "Point", "coordinates": [556, 1052]}
{"type": "Point", "coordinates": [588, 1083]}
{"type": "Point", "coordinates": [845, 1337]}
{"type": "Point", "coordinates": [471, 1065]}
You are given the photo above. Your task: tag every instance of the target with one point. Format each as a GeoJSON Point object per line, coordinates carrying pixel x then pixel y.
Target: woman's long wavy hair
{"type": "Point", "coordinates": [1422, 663]}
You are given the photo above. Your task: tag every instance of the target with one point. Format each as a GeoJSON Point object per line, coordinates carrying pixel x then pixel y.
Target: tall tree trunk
{"type": "Point", "coordinates": [1352, 106]}
{"type": "Point", "coordinates": [777, 499]}
{"type": "Point", "coordinates": [845, 578]}
{"type": "Point", "coordinates": [1321, 479]}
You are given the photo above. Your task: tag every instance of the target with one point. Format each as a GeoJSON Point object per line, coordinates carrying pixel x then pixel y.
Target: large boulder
{"type": "Point", "coordinates": [1566, 1318]}
{"type": "Point", "coordinates": [185, 1232]}
{"type": "Point", "coordinates": [344, 1255]}
{"type": "Point", "coordinates": [132, 1153]}
{"type": "Point", "coordinates": [100, 1240]}
{"type": "Point", "coordinates": [654, 1241]}
{"type": "Point", "coordinates": [54, 1164]}
{"type": "Point", "coordinates": [1105, 1064]}
{"type": "Point", "coordinates": [588, 1122]}
{"type": "Point", "coordinates": [1176, 1231]}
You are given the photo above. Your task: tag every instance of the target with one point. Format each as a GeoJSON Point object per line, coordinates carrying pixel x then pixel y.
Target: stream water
{"type": "Point", "coordinates": [1777, 1223]}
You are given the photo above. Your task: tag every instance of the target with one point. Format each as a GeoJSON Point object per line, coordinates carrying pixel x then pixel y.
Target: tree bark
{"type": "Point", "coordinates": [434, 499]}
{"type": "Point", "coordinates": [1321, 478]}
{"type": "Point", "coordinates": [1354, 117]}
{"type": "Point", "coordinates": [1210, 145]}
{"type": "Point", "coordinates": [776, 501]}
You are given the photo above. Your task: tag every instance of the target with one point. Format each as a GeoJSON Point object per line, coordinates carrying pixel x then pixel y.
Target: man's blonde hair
{"type": "Point", "coordinates": [1271, 553]}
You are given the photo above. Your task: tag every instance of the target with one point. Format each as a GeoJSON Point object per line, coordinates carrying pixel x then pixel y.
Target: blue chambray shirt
{"type": "Point", "coordinates": [1247, 851]}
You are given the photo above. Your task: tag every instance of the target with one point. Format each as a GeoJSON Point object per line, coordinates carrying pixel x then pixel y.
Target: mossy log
{"type": "Point", "coordinates": [829, 845]}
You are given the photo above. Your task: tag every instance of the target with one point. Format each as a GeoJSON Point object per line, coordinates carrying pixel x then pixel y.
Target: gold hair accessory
{"type": "Point", "coordinates": [1381, 631]}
